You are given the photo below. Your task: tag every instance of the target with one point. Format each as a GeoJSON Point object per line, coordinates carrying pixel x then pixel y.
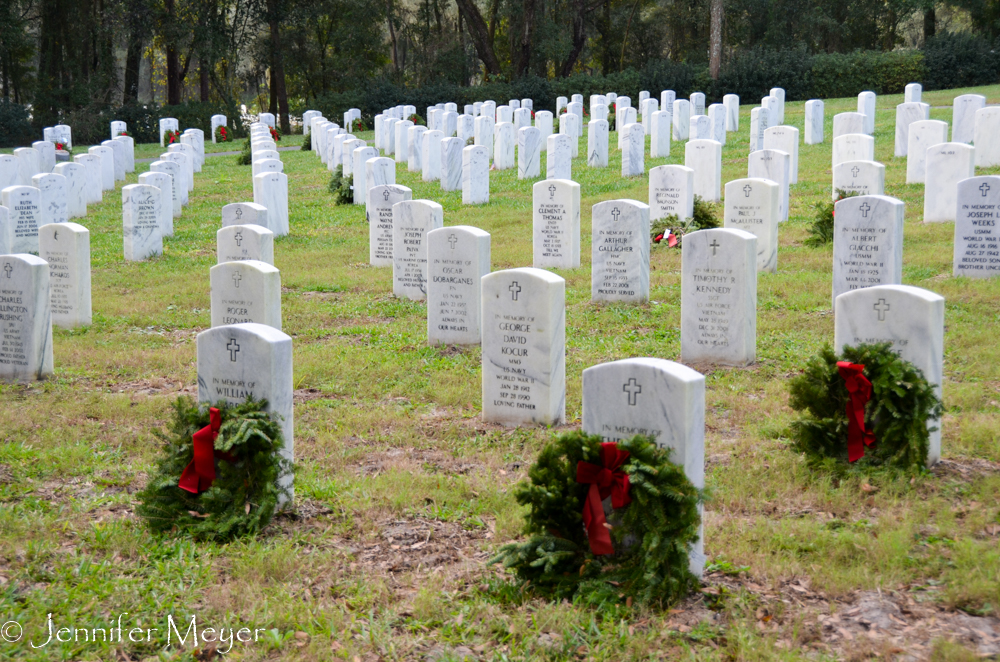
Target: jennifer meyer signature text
{"type": "Point", "coordinates": [180, 634]}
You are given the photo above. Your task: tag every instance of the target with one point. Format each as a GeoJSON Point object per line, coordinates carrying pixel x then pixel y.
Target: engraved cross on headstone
{"type": "Point", "coordinates": [984, 187]}
{"type": "Point", "coordinates": [715, 246]}
{"type": "Point", "coordinates": [239, 213]}
{"type": "Point", "coordinates": [633, 389]}
{"type": "Point", "coordinates": [616, 212]}
{"type": "Point", "coordinates": [385, 195]}
{"type": "Point", "coordinates": [865, 208]}
{"type": "Point", "coordinates": [238, 237]}
{"type": "Point", "coordinates": [7, 269]}
{"type": "Point", "coordinates": [452, 239]}
{"type": "Point", "coordinates": [514, 289]}
{"type": "Point", "coordinates": [233, 347]}
{"type": "Point", "coordinates": [881, 308]}
{"type": "Point", "coordinates": [236, 279]}
{"type": "Point", "coordinates": [854, 171]}
{"type": "Point", "coordinates": [747, 190]}
{"type": "Point", "coordinates": [552, 191]}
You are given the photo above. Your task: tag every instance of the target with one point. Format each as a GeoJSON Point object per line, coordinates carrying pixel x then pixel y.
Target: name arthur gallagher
{"type": "Point", "coordinates": [175, 633]}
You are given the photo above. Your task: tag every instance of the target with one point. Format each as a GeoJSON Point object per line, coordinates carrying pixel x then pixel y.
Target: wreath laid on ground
{"type": "Point", "coordinates": [170, 137]}
{"type": "Point", "coordinates": [218, 476]}
{"type": "Point", "coordinates": [123, 133]}
{"type": "Point", "coordinates": [357, 125]}
{"type": "Point", "coordinates": [221, 135]}
{"type": "Point", "coordinates": [670, 231]}
{"type": "Point", "coordinates": [867, 407]}
{"type": "Point", "coordinates": [245, 157]}
{"type": "Point", "coordinates": [275, 136]}
{"type": "Point", "coordinates": [417, 120]}
{"type": "Point", "coordinates": [341, 188]}
{"type": "Point", "coordinates": [64, 148]}
{"type": "Point", "coordinates": [573, 553]}
{"type": "Point", "coordinates": [821, 230]}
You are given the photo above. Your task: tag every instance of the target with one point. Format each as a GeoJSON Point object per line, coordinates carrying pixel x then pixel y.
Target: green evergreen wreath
{"type": "Point", "coordinates": [245, 492]}
{"type": "Point", "coordinates": [901, 404]}
{"type": "Point", "coordinates": [657, 528]}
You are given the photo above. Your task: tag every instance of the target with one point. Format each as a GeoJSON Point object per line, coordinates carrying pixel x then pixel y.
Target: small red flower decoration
{"type": "Point", "coordinates": [658, 238]}
{"type": "Point", "coordinates": [274, 134]}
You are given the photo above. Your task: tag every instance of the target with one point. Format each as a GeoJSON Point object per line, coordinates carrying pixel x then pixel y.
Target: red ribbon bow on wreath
{"type": "Point", "coordinates": [860, 390]}
{"type": "Point", "coordinates": [199, 474]}
{"type": "Point", "coordinates": [604, 480]}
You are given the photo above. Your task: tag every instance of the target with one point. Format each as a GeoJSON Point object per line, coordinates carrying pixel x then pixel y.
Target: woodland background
{"type": "Point", "coordinates": [85, 62]}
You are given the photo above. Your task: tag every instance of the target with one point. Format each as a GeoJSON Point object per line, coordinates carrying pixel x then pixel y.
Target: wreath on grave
{"type": "Point", "coordinates": [221, 135]}
{"type": "Point", "coordinates": [417, 120]}
{"type": "Point", "coordinates": [867, 407]}
{"type": "Point", "coordinates": [821, 230]}
{"type": "Point", "coordinates": [357, 125]}
{"type": "Point", "coordinates": [341, 187]}
{"type": "Point", "coordinates": [670, 231]}
{"type": "Point", "coordinates": [275, 136]}
{"type": "Point", "coordinates": [218, 476]}
{"type": "Point", "coordinates": [123, 133]}
{"type": "Point", "coordinates": [170, 137]}
{"type": "Point", "coordinates": [63, 147]}
{"type": "Point", "coordinates": [574, 553]}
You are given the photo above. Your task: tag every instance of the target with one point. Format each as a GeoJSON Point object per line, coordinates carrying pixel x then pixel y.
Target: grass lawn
{"type": "Point", "coordinates": [403, 492]}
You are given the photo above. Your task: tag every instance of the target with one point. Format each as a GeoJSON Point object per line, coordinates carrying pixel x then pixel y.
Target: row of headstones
{"type": "Point", "coordinates": [270, 183]}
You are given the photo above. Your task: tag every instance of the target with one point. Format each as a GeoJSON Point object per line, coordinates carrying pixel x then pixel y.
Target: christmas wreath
{"type": "Point", "coordinates": [821, 230]}
{"type": "Point", "coordinates": [218, 477]}
{"type": "Point", "coordinates": [221, 135]}
{"type": "Point", "coordinates": [123, 133]}
{"type": "Point", "coordinates": [170, 137]}
{"type": "Point", "coordinates": [341, 187]}
{"type": "Point", "coordinates": [867, 407]}
{"type": "Point", "coordinates": [670, 231]}
{"type": "Point", "coordinates": [417, 120]}
{"type": "Point", "coordinates": [574, 553]}
{"type": "Point", "coordinates": [63, 147]}
{"type": "Point", "coordinates": [357, 125]}
{"type": "Point", "coordinates": [275, 136]}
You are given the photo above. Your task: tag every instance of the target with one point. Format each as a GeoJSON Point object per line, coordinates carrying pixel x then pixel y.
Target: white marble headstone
{"type": "Point", "coordinates": [379, 214]}
{"type": "Point", "coordinates": [732, 104]}
{"type": "Point", "coordinates": [414, 142]}
{"type": "Point", "coordinates": [705, 158]}
{"type": "Point", "coordinates": [165, 183]}
{"type": "Point", "coordinates": [922, 134]}
{"type": "Point", "coordinates": [107, 157]}
{"type": "Point", "coordinates": [359, 171]}
{"type": "Point", "coordinates": [844, 123]}
{"type": "Point", "coordinates": [861, 177]}
{"type": "Point", "coordinates": [558, 157]}
{"type": "Point", "coordinates": [270, 190]}
{"type": "Point", "coordinates": [867, 243]}
{"type": "Point", "coordinates": [907, 114]}
{"type": "Point", "coordinates": [866, 106]}
{"type": "Point", "coordinates": [524, 347]}
{"type": "Point", "coordinates": [786, 139]}
{"type": "Point", "coordinates": [656, 398]}
{"type": "Point", "coordinates": [619, 268]}
{"type": "Point", "coordinates": [963, 117]}
{"type": "Point", "coordinates": [141, 222]}
{"type": "Point", "coordinates": [597, 143]}
{"type": "Point", "coordinates": [430, 154]}
{"type": "Point", "coordinates": [987, 137]}
{"type": "Point", "coordinates": [52, 197]}
{"type": "Point", "coordinates": [94, 191]}
{"type": "Point", "coordinates": [556, 224]}
{"type": "Point", "coordinates": [475, 175]}
{"type": "Point", "coordinates": [245, 213]}
{"type": "Point", "coordinates": [243, 360]}
{"type": "Point", "coordinates": [759, 123]}
{"type": "Point", "coordinates": [719, 297]}
{"type": "Point", "coordinates": [235, 243]}
{"type": "Point", "coordinates": [46, 155]}
{"type": "Point", "coordinates": [528, 153]}
{"type": "Point", "coordinates": [246, 291]}
{"type": "Point", "coordinates": [25, 215]}
{"type": "Point", "coordinates": [977, 239]}
{"type": "Point", "coordinates": [911, 318]}
{"type": "Point", "coordinates": [457, 259]}
{"type": "Point", "coordinates": [25, 318]}
{"type": "Point", "coordinates": [66, 248]}
{"type": "Point", "coordinates": [814, 122]}
{"type": "Point", "coordinates": [451, 164]}
{"type": "Point", "coordinates": [503, 146]}
{"type": "Point", "coordinates": [752, 205]}
{"type": "Point", "coordinates": [485, 127]}
{"type": "Point", "coordinates": [10, 171]}
{"type": "Point", "coordinates": [682, 119]}
{"type": "Point", "coordinates": [411, 221]}
{"type": "Point", "coordinates": [853, 147]}
{"type": "Point", "coordinates": [76, 188]}
{"type": "Point", "coordinates": [633, 150]}
{"type": "Point", "coordinates": [947, 164]}
{"type": "Point", "coordinates": [671, 192]}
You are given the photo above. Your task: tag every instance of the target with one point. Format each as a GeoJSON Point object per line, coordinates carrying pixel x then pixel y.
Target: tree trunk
{"type": "Point", "coordinates": [279, 96]}
{"type": "Point", "coordinates": [173, 59]}
{"type": "Point", "coordinates": [203, 79]}
{"type": "Point", "coordinates": [480, 36]}
{"type": "Point", "coordinates": [392, 38]}
{"type": "Point", "coordinates": [522, 51]}
{"type": "Point", "coordinates": [715, 40]}
{"type": "Point", "coordinates": [133, 61]}
{"type": "Point", "coordinates": [930, 23]}
{"type": "Point", "coordinates": [579, 37]}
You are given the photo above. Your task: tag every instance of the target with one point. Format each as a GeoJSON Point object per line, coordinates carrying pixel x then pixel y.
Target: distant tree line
{"type": "Point", "coordinates": [63, 56]}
